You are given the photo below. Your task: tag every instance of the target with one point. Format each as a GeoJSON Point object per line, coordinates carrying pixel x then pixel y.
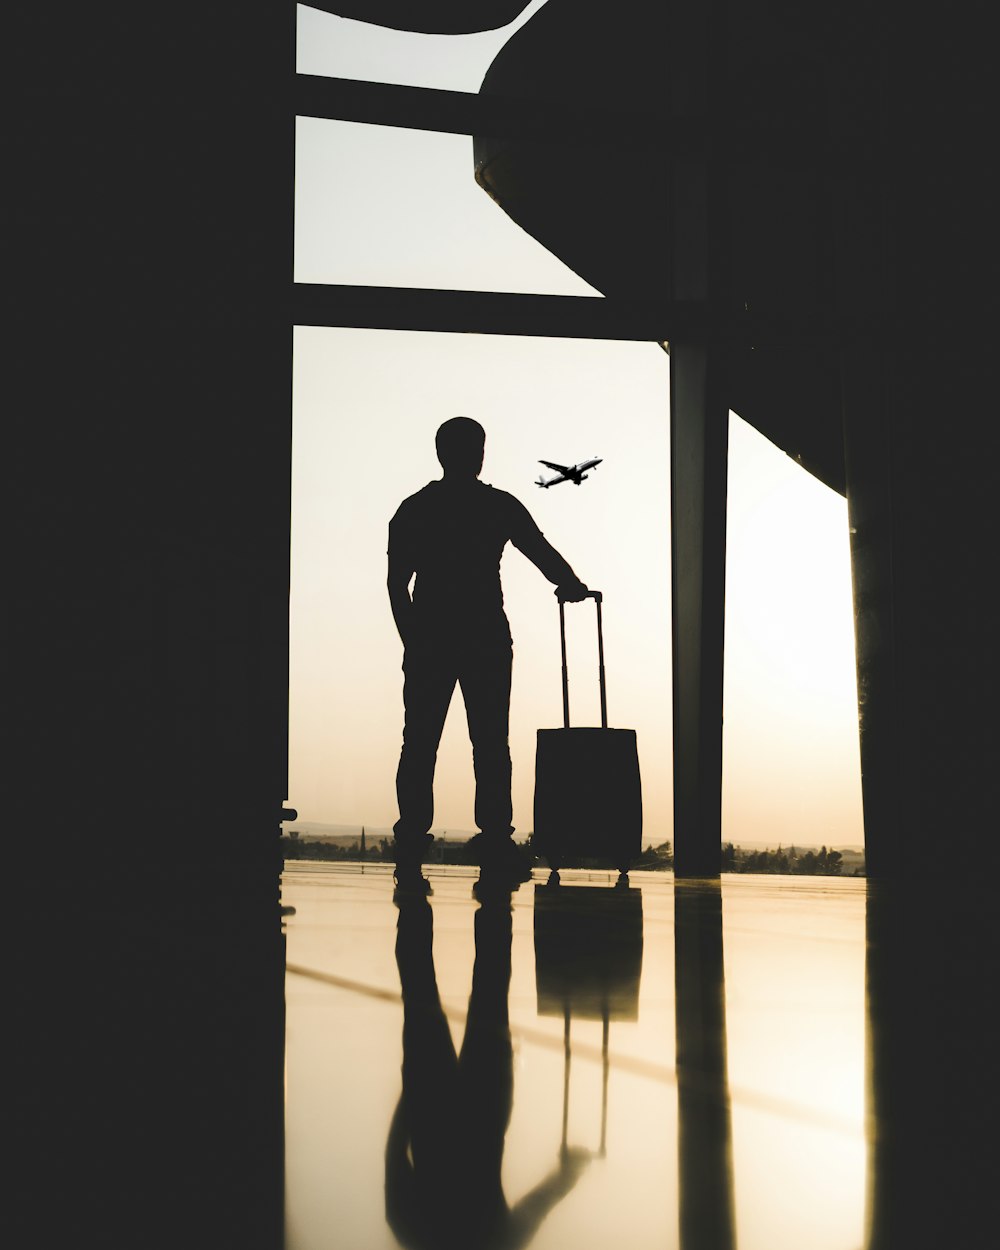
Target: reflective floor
{"type": "Point", "coordinates": [673, 1064]}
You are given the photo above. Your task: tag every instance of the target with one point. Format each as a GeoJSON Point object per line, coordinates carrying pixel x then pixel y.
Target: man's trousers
{"type": "Point", "coordinates": [431, 674]}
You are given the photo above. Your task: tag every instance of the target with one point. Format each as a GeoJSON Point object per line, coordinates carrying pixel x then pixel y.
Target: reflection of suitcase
{"type": "Point", "coordinates": [588, 951]}
{"type": "Point", "coordinates": [588, 801]}
{"type": "Point", "coordinates": [588, 963]}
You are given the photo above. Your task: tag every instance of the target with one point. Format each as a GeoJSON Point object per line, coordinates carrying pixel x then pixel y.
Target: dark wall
{"type": "Point", "coordinates": [915, 248]}
{"type": "Point", "coordinates": [915, 242]}
{"type": "Point", "coordinates": [151, 197]}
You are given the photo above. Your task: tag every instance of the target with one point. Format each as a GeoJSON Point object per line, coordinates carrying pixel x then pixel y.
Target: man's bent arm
{"type": "Point", "coordinates": [533, 543]}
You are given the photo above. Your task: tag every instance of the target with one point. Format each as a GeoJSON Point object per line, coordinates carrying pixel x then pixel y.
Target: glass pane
{"type": "Point", "coordinates": [335, 47]}
{"type": "Point", "coordinates": [366, 406]}
{"type": "Point", "coordinates": [381, 206]}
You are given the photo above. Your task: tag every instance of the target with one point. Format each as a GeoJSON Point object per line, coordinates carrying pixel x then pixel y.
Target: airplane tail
{"type": "Point", "coordinates": [541, 482]}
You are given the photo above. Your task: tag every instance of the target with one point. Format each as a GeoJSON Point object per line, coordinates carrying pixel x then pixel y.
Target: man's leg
{"type": "Point", "coordinates": [485, 680]}
{"type": "Point", "coordinates": [427, 690]}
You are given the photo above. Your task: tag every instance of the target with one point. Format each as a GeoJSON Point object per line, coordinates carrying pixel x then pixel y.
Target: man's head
{"type": "Point", "coordinates": [460, 443]}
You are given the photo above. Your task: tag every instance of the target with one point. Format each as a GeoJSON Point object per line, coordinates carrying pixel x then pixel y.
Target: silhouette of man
{"type": "Point", "coordinates": [451, 534]}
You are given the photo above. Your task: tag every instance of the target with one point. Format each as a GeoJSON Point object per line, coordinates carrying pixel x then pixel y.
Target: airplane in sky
{"type": "Point", "coordinates": [567, 473]}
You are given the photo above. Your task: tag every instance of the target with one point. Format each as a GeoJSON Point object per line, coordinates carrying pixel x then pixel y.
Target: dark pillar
{"type": "Point", "coordinates": [699, 438]}
{"type": "Point", "coordinates": [151, 178]}
{"type": "Point", "coordinates": [921, 449]}
{"type": "Point", "coordinates": [699, 435]}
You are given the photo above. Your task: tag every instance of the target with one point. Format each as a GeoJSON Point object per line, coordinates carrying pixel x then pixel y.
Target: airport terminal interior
{"type": "Point", "coordinates": [795, 199]}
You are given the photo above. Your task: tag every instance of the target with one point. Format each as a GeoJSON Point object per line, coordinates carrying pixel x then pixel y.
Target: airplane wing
{"type": "Point", "coordinates": [559, 468]}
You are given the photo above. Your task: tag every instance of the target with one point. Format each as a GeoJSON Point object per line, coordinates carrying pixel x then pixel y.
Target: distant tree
{"type": "Point", "coordinates": [781, 862]}
{"type": "Point", "coordinates": [654, 858]}
{"type": "Point", "coordinates": [807, 864]}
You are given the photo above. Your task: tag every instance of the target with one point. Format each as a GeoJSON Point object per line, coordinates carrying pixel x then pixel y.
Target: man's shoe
{"type": "Point", "coordinates": [495, 885]}
{"type": "Point", "coordinates": [410, 882]}
{"type": "Point", "coordinates": [502, 859]}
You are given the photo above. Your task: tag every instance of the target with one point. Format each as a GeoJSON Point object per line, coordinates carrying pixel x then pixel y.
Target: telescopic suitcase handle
{"type": "Point", "coordinates": [598, 599]}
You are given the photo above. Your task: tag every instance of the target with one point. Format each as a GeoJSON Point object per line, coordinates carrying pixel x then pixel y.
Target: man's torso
{"type": "Point", "coordinates": [453, 536]}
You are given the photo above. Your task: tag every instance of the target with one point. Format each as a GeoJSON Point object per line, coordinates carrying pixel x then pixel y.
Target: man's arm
{"type": "Point", "coordinates": [530, 540]}
{"type": "Point", "coordinates": [398, 584]}
{"type": "Point", "coordinates": [526, 1217]}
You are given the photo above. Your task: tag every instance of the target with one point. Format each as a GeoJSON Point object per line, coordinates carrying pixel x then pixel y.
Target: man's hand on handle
{"type": "Point", "coordinates": [571, 592]}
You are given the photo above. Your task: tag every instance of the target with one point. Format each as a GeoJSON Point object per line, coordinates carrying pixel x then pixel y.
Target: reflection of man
{"type": "Point", "coordinates": [451, 535]}
{"type": "Point", "coordinates": [444, 1153]}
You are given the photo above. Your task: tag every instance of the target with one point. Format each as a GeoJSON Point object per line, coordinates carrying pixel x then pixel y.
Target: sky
{"type": "Point", "coordinates": [382, 206]}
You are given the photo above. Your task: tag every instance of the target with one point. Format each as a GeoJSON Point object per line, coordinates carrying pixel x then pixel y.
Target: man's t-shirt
{"type": "Point", "coordinates": [452, 535]}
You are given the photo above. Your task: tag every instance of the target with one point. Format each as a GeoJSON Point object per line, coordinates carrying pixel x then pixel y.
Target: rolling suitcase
{"type": "Point", "coordinates": [588, 799]}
